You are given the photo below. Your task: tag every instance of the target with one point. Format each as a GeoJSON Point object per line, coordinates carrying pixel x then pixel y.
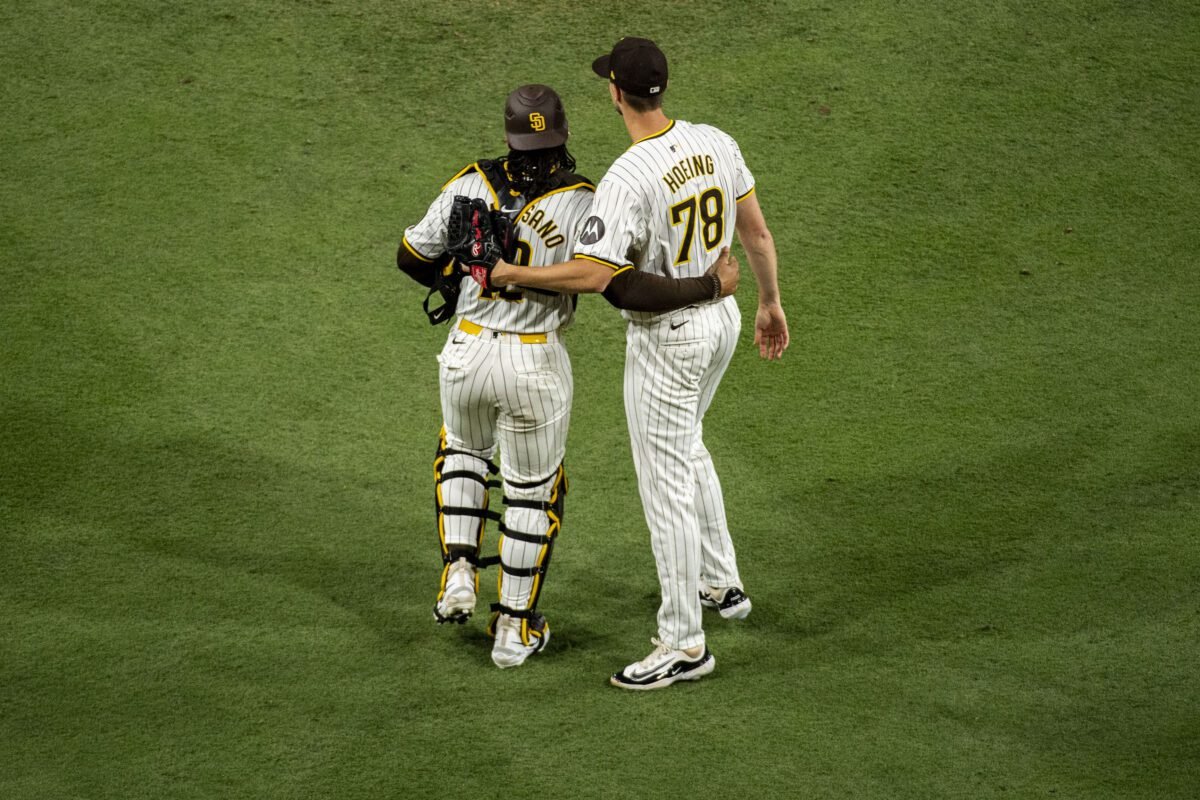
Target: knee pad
{"type": "Point", "coordinates": [461, 483]}
{"type": "Point", "coordinates": [531, 524]}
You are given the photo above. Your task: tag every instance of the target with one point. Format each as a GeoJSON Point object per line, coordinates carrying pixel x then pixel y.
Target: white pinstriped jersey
{"type": "Point", "coordinates": [669, 203]}
{"type": "Point", "coordinates": [546, 230]}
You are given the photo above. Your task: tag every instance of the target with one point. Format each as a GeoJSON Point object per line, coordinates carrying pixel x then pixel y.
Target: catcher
{"type": "Point", "coordinates": [504, 375]}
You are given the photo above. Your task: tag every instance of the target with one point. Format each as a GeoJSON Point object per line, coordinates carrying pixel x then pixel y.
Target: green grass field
{"type": "Point", "coordinates": [966, 502]}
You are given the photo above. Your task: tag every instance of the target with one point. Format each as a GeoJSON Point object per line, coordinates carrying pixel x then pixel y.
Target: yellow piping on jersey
{"type": "Point", "coordinates": [670, 124]}
{"type": "Point", "coordinates": [609, 264]}
{"type": "Point", "coordinates": [474, 167]}
{"type": "Point", "coordinates": [581, 184]}
{"type": "Point", "coordinates": [413, 250]}
{"type": "Point", "coordinates": [748, 192]}
{"type": "Point", "coordinates": [460, 173]}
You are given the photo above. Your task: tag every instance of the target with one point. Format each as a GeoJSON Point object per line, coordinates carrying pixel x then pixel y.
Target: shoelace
{"type": "Point", "coordinates": [659, 651]}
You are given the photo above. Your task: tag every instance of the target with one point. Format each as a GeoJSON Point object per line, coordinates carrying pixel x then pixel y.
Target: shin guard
{"type": "Point", "coordinates": [532, 520]}
{"type": "Point", "coordinates": [461, 483]}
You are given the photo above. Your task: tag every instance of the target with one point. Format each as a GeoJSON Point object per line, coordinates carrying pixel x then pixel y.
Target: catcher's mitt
{"type": "Point", "coordinates": [471, 238]}
{"type": "Point", "coordinates": [505, 234]}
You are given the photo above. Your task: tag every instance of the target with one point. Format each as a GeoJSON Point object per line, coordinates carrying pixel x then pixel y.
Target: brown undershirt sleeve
{"type": "Point", "coordinates": [423, 272]}
{"type": "Point", "coordinates": [634, 290]}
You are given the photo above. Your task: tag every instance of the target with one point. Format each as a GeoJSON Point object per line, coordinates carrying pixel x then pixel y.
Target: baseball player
{"type": "Point", "coordinates": [668, 206]}
{"type": "Point", "coordinates": [504, 376]}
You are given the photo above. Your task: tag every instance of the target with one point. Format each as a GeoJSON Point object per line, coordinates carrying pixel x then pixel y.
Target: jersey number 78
{"type": "Point", "coordinates": [709, 205]}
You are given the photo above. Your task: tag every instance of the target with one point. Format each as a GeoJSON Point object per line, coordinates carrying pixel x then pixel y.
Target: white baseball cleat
{"type": "Point", "coordinates": [731, 602]}
{"type": "Point", "coordinates": [663, 667]}
{"type": "Point", "coordinates": [457, 602]}
{"type": "Point", "coordinates": [517, 639]}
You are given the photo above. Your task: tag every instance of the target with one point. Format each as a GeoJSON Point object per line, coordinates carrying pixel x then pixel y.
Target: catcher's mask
{"type": "Point", "coordinates": [530, 172]}
{"type": "Point", "coordinates": [534, 118]}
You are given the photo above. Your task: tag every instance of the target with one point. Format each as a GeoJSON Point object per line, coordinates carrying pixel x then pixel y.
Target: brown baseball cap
{"type": "Point", "coordinates": [636, 66]}
{"type": "Point", "coordinates": [534, 118]}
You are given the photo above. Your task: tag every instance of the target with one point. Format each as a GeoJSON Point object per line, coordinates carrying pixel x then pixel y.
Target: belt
{"type": "Point", "coordinates": [466, 326]}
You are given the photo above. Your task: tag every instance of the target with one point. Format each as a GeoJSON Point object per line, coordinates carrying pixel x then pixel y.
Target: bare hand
{"type": "Point", "coordinates": [500, 273]}
{"type": "Point", "coordinates": [771, 331]}
{"type": "Point", "coordinates": [727, 270]}
{"type": "Point", "coordinates": [495, 276]}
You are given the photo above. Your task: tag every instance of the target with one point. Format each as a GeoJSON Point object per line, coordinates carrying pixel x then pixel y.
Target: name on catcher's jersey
{"type": "Point", "coordinates": [546, 228]}
{"type": "Point", "coordinates": [669, 203]}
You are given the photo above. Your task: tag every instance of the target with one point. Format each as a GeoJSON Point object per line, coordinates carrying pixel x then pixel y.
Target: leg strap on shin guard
{"type": "Point", "coordinates": [533, 624]}
{"type": "Point", "coordinates": [455, 551]}
{"type": "Point", "coordinates": [553, 510]}
{"type": "Point", "coordinates": [519, 613]}
{"type": "Point", "coordinates": [534, 628]}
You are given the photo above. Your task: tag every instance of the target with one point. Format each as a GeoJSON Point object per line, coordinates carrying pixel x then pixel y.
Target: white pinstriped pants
{"type": "Point", "coordinates": [497, 390]}
{"type": "Point", "coordinates": [673, 365]}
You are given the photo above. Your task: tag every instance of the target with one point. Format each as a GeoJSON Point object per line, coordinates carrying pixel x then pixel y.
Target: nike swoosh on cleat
{"type": "Point", "coordinates": [674, 669]}
{"type": "Point", "coordinates": [670, 672]}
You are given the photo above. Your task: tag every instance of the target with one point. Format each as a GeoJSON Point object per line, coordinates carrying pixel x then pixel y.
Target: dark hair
{"type": "Point", "coordinates": [531, 171]}
{"type": "Point", "coordinates": [642, 104]}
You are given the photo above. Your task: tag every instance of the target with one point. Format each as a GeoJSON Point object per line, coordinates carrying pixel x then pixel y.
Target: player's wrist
{"type": "Point", "coordinates": [501, 272]}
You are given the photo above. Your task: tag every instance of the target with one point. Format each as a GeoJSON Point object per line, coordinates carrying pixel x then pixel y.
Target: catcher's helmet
{"type": "Point", "coordinates": [534, 118]}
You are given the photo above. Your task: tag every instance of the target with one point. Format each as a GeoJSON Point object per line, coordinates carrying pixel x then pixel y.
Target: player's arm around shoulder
{"type": "Point", "coordinates": [577, 276]}
{"type": "Point", "coordinates": [770, 323]}
{"type": "Point", "coordinates": [635, 290]}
